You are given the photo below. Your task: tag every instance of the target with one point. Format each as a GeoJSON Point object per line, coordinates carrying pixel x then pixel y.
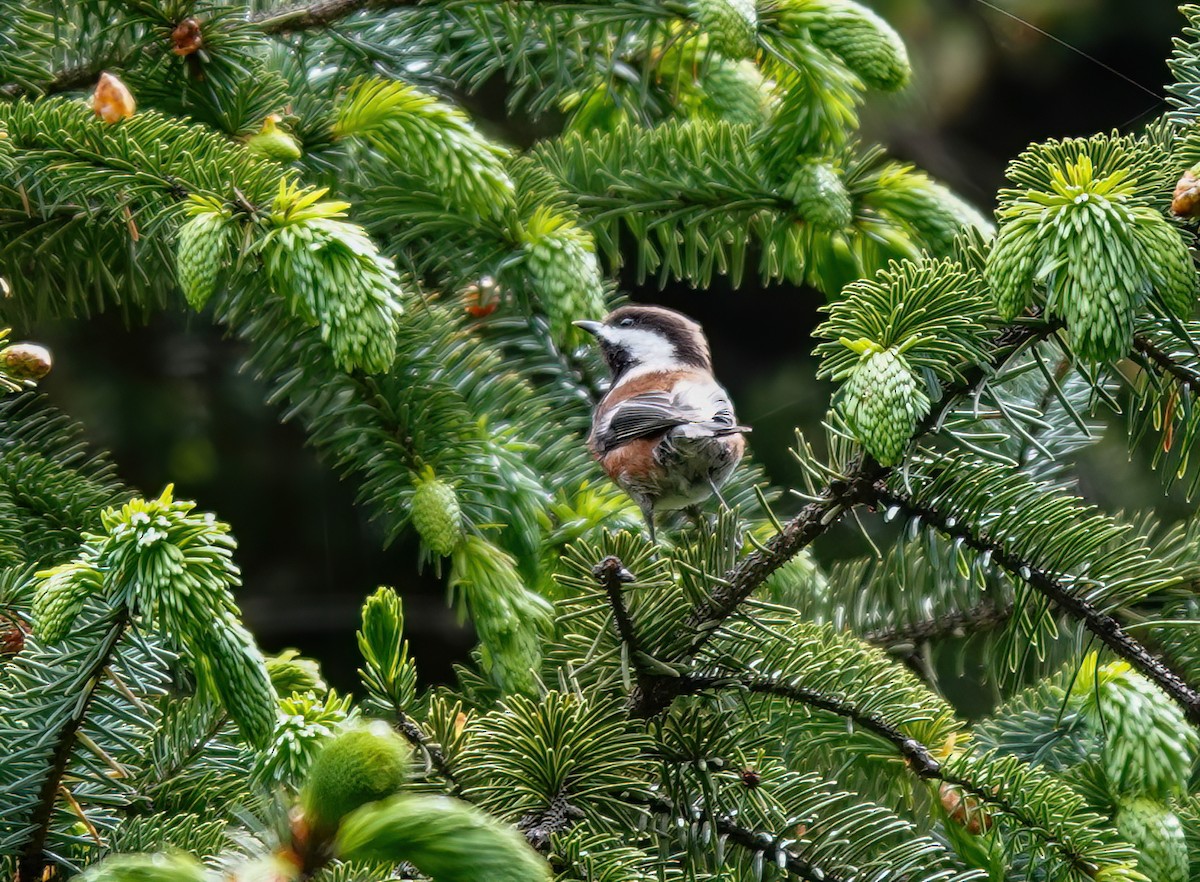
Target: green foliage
{"type": "Point", "coordinates": [1081, 226]}
{"type": "Point", "coordinates": [443, 838]}
{"type": "Point", "coordinates": [525, 758]}
{"type": "Point", "coordinates": [333, 277]}
{"type": "Point", "coordinates": [430, 141]}
{"type": "Point", "coordinates": [1149, 749]}
{"type": "Point", "coordinates": [356, 767]}
{"type": "Point", "coordinates": [854, 34]}
{"type": "Point", "coordinates": [1158, 836]}
{"type": "Point", "coordinates": [388, 673]}
{"type": "Point", "coordinates": [714, 707]}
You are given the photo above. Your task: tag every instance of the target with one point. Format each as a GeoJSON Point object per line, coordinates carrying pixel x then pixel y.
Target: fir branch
{"type": "Point", "coordinates": [1100, 623]}
{"type": "Point", "coordinates": [306, 16]}
{"type": "Point", "coordinates": [985, 616]}
{"type": "Point", "coordinates": [1154, 353]}
{"type": "Point", "coordinates": [755, 842]}
{"type": "Point", "coordinates": [856, 487]}
{"type": "Point", "coordinates": [416, 736]}
{"type": "Point", "coordinates": [917, 756]}
{"type": "Point", "coordinates": [32, 860]}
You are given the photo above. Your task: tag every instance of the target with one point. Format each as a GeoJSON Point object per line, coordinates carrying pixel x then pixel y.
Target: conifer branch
{"type": "Point", "coordinates": [917, 756]}
{"type": "Point", "coordinates": [1182, 374]}
{"type": "Point", "coordinates": [984, 616]}
{"type": "Point", "coordinates": [855, 488]}
{"type": "Point", "coordinates": [306, 16]}
{"type": "Point", "coordinates": [32, 860]}
{"type": "Point", "coordinates": [752, 841]}
{"type": "Point", "coordinates": [416, 736]}
{"type": "Point", "coordinates": [558, 817]}
{"type": "Point", "coordinates": [1100, 623]}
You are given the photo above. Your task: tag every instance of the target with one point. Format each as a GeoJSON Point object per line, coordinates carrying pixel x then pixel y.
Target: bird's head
{"type": "Point", "coordinates": [649, 338]}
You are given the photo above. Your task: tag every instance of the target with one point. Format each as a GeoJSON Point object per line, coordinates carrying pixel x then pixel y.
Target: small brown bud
{"type": "Point", "coordinates": [112, 101]}
{"type": "Point", "coordinates": [25, 361]}
{"type": "Point", "coordinates": [187, 37]}
{"type": "Point", "coordinates": [1186, 200]}
{"type": "Point", "coordinates": [751, 778]}
{"type": "Point", "coordinates": [12, 636]}
{"type": "Point", "coordinates": [966, 811]}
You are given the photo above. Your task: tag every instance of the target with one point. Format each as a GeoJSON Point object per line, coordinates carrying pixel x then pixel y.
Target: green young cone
{"type": "Point", "coordinates": [733, 91]}
{"type": "Point", "coordinates": [1172, 271]}
{"type": "Point", "coordinates": [445, 839]}
{"type": "Point", "coordinates": [822, 199]}
{"type": "Point", "coordinates": [864, 41]}
{"type": "Point", "coordinates": [200, 245]}
{"type": "Point", "coordinates": [358, 766]}
{"type": "Point", "coordinates": [731, 25]}
{"type": "Point", "coordinates": [882, 402]}
{"type": "Point", "coordinates": [1158, 835]}
{"type": "Point", "coordinates": [436, 514]}
{"type": "Point", "coordinates": [59, 598]}
{"type": "Point", "coordinates": [562, 260]}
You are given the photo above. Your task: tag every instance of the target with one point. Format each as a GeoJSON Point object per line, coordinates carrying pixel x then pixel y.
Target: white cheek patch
{"type": "Point", "coordinates": [646, 348]}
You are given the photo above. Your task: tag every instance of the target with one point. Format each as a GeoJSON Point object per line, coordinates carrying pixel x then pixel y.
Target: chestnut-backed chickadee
{"type": "Point", "coordinates": [665, 432]}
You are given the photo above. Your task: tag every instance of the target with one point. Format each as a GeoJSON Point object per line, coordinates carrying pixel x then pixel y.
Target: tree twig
{"type": "Point", "coordinates": [1184, 375]}
{"type": "Point", "coordinates": [917, 756]}
{"type": "Point", "coordinates": [817, 517]}
{"type": "Point", "coordinates": [306, 16]}
{"type": "Point", "coordinates": [1100, 623]}
{"type": "Point", "coordinates": [756, 842]}
{"type": "Point", "coordinates": [981, 617]}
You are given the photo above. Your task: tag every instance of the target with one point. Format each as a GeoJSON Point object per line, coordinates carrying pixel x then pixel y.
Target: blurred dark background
{"type": "Point", "coordinates": [170, 403]}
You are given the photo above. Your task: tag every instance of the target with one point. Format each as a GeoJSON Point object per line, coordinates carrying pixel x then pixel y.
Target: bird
{"type": "Point", "coordinates": [665, 431]}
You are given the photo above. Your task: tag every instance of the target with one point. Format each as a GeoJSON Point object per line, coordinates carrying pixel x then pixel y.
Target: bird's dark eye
{"type": "Point", "coordinates": [626, 322]}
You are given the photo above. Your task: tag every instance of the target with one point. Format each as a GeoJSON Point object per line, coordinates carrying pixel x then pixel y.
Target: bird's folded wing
{"type": "Point", "coordinates": [644, 416]}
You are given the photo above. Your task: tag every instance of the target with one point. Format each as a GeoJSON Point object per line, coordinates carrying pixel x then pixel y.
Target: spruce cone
{"type": "Point", "coordinates": [436, 514]}
{"type": "Point", "coordinates": [1158, 835]}
{"type": "Point", "coordinates": [882, 403]}
{"type": "Point", "coordinates": [199, 249]}
{"type": "Point", "coordinates": [819, 195]}
{"type": "Point", "coordinates": [731, 25]}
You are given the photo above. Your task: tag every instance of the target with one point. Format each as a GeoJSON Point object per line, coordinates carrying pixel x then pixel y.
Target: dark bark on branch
{"type": "Point", "coordinates": [984, 616]}
{"type": "Point", "coordinates": [1181, 373]}
{"type": "Point", "coordinates": [305, 16]}
{"type": "Point", "coordinates": [916, 755]}
{"type": "Point", "coordinates": [757, 842]}
{"type": "Point", "coordinates": [1100, 623]}
{"type": "Point", "coordinates": [558, 817]}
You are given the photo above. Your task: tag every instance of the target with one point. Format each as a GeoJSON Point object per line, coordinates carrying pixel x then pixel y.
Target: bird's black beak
{"type": "Point", "coordinates": [592, 328]}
